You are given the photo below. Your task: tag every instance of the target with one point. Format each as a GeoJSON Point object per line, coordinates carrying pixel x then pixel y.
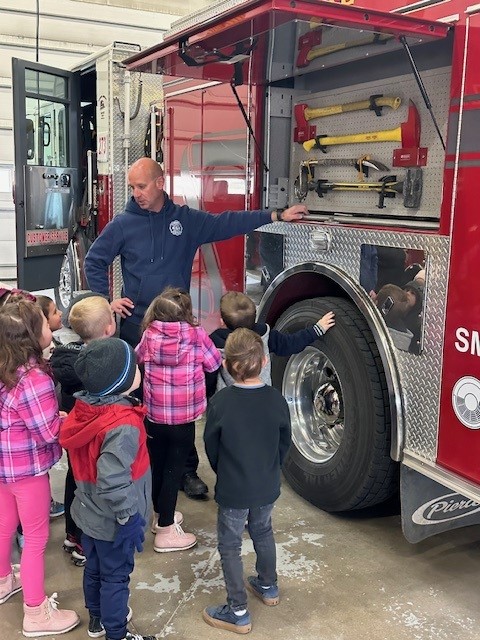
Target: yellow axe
{"type": "Point", "coordinates": [408, 133]}
{"type": "Point", "coordinates": [307, 52]}
{"type": "Point", "coordinates": [304, 113]}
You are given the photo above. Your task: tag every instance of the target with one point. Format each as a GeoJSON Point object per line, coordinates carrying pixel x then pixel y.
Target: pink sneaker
{"type": "Point", "coordinates": [9, 585]}
{"type": "Point", "coordinates": [173, 538]}
{"type": "Point", "coordinates": [177, 519]}
{"type": "Point", "coordinates": [47, 620]}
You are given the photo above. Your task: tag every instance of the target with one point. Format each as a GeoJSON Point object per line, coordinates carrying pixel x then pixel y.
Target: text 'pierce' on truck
{"type": "Point", "coordinates": [369, 113]}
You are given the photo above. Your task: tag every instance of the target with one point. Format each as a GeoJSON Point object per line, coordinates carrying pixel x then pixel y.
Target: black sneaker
{"type": "Point", "coordinates": [96, 628]}
{"type": "Point", "coordinates": [194, 487]}
{"type": "Point", "coordinates": [69, 543]}
{"type": "Point", "coordinates": [78, 556]}
{"type": "Point", "coordinates": [137, 636]}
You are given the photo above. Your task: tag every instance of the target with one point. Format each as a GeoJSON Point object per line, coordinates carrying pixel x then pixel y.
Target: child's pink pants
{"type": "Point", "coordinates": [28, 502]}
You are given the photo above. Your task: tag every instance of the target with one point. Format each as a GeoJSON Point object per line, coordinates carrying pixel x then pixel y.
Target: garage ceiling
{"type": "Point", "coordinates": [175, 7]}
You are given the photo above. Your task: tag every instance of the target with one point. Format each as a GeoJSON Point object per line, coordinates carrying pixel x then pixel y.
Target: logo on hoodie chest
{"type": "Point", "coordinates": [176, 228]}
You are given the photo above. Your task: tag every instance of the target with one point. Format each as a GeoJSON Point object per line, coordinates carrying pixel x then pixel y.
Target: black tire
{"type": "Point", "coordinates": [340, 456]}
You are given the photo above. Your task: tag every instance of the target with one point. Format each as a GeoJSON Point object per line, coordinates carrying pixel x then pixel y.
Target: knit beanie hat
{"type": "Point", "coordinates": [106, 367]}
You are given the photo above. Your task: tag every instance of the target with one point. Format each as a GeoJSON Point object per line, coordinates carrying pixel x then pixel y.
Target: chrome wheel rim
{"type": "Point", "coordinates": [314, 394]}
{"type": "Point", "coordinates": [65, 286]}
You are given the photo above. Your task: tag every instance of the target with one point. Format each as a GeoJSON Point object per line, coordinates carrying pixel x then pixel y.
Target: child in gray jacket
{"type": "Point", "coordinates": [105, 438]}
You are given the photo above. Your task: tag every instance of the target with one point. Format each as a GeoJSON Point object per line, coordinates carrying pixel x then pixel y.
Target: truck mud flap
{"type": "Point", "coordinates": [429, 508]}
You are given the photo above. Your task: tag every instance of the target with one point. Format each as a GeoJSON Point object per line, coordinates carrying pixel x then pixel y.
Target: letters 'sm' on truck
{"type": "Point", "coordinates": [369, 113]}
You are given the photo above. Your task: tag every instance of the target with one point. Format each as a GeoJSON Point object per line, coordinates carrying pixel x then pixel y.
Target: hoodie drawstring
{"type": "Point", "coordinates": [152, 240]}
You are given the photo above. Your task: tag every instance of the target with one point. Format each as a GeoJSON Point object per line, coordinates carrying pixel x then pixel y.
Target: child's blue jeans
{"type": "Point", "coordinates": [230, 528]}
{"type": "Point", "coordinates": [105, 584]}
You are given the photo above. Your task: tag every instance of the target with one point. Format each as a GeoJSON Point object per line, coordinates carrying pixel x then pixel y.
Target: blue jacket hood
{"type": "Point", "coordinates": [132, 207]}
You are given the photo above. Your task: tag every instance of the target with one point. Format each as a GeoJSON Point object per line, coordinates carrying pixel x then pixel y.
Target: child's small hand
{"type": "Point", "coordinates": [327, 321]}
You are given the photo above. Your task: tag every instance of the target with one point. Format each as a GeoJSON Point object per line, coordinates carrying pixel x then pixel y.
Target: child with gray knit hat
{"type": "Point", "coordinates": [105, 438]}
{"type": "Point", "coordinates": [91, 318]}
{"type": "Point", "coordinates": [107, 367]}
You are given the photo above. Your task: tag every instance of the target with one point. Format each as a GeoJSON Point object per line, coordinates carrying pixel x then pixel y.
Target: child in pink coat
{"type": "Point", "coordinates": [29, 428]}
{"type": "Point", "coordinates": [176, 353]}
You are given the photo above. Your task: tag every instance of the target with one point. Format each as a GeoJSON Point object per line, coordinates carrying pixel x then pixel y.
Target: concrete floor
{"type": "Point", "coordinates": [340, 578]}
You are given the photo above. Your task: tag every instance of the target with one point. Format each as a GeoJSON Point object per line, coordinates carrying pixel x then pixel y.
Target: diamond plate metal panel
{"type": "Point", "coordinates": [150, 88]}
{"type": "Point", "coordinates": [202, 16]}
{"type": "Point", "coordinates": [420, 375]}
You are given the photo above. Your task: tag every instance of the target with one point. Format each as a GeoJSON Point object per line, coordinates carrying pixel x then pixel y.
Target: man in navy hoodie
{"type": "Point", "coordinates": [157, 241]}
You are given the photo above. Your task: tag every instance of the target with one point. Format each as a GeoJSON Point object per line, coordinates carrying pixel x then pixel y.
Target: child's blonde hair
{"type": "Point", "coordinates": [237, 310]}
{"type": "Point", "coordinates": [244, 354]}
{"type": "Point", "coordinates": [21, 326]}
{"type": "Point", "coordinates": [90, 317]}
{"type": "Point", "coordinates": [172, 305]}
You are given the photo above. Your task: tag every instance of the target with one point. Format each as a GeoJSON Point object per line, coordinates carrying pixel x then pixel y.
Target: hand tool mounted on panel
{"type": "Point", "coordinates": [408, 133]}
{"type": "Point", "coordinates": [303, 113]}
{"type": "Point", "coordinates": [305, 179]}
{"type": "Point", "coordinates": [386, 187]}
{"type": "Point", "coordinates": [309, 49]}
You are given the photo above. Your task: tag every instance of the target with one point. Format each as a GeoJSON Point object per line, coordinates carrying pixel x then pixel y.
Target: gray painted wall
{"type": "Point", "coordinates": [68, 32]}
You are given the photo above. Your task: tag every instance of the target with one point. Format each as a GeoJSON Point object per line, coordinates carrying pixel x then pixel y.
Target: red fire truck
{"type": "Point", "coordinates": [367, 112]}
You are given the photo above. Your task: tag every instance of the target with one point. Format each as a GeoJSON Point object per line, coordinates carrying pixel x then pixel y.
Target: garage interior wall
{"type": "Point", "coordinates": [67, 32]}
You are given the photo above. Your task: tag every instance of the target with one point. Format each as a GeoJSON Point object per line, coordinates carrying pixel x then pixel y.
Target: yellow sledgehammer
{"type": "Point", "coordinates": [408, 133]}
{"type": "Point", "coordinates": [304, 113]}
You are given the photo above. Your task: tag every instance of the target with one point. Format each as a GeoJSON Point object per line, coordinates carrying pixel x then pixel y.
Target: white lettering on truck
{"type": "Point", "coordinates": [444, 508]}
{"type": "Point", "coordinates": [467, 341]}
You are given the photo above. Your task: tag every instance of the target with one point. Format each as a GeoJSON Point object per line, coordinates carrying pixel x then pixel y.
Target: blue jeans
{"type": "Point", "coordinates": [105, 584]}
{"type": "Point", "coordinates": [230, 528]}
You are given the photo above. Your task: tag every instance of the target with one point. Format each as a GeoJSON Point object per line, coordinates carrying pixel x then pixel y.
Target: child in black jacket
{"type": "Point", "coordinates": [237, 311]}
{"type": "Point", "coordinates": [248, 476]}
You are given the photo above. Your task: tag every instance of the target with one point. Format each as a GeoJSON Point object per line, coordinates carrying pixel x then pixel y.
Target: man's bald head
{"type": "Point", "coordinates": [145, 178]}
{"type": "Point", "coordinates": [147, 167]}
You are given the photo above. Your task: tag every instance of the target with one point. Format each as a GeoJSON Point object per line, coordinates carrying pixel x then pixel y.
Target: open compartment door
{"type": "Point", "coordinates": [212, 44]}
{"type": "Point", "coordinates": [46, 124]}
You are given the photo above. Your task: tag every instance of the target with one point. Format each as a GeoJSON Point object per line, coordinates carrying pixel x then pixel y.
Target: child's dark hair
{"type": "Point", "coordinates": [44, 303]}
{"type": "Point", "coordinates": [172, 305]}
{"type": "Point", "coordinates": [21, 325]}
{"type": "Point", "coordinates": [237, 310]}
{"type": "Point", "coordinates": [244, 354]}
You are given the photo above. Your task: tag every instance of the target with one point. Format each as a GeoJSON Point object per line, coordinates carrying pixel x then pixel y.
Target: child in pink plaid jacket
{"type": "Point", "coordinates": [29, 428]}
{"type": "Point", "coordinates": [176, 352]}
